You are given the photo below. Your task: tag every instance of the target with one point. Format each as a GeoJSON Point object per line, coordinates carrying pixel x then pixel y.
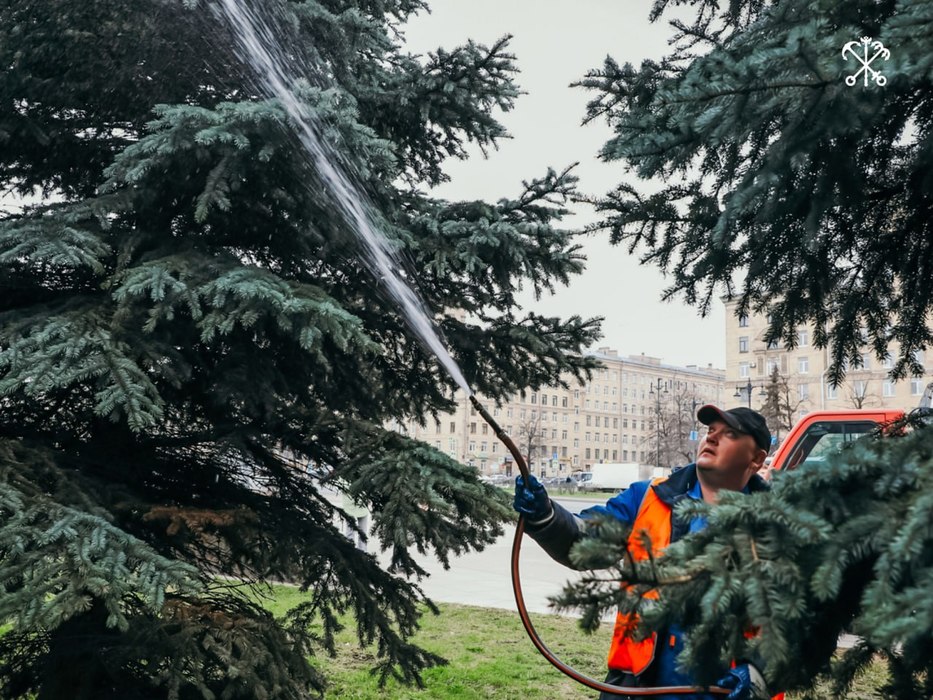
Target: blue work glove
{"type": "Point", "coordinates": [746, 683]}
{"type": "Point", "coordinates": [532, 500]}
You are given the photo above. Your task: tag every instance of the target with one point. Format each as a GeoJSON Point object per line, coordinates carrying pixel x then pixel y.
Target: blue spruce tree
{"type": "Point", "coordinates": [810, 199]}
{"type": "Point", "coordinates": [185, 323]}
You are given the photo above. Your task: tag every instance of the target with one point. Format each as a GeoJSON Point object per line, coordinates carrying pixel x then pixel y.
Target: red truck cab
{"type": "Point", "coordinates": [821, 432]}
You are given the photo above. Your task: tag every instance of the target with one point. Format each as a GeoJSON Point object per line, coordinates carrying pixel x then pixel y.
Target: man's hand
{"type": "Point", "coordinates": [746, 683]}
{"type": "Point", "coordinates": [532, 500]}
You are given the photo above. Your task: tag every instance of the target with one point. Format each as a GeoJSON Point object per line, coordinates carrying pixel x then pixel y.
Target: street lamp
{"type": "Point", "coordinates": [747, 389]}
{"type": "Point", "coordinates": [657, 417]}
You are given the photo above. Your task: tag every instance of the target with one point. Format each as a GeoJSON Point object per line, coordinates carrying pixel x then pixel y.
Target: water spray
{"type": "Point", "coordinates": [255, 43]}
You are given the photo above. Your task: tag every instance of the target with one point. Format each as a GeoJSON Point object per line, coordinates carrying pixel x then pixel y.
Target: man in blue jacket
{"type": "Point", "coordinates": [728, 458]}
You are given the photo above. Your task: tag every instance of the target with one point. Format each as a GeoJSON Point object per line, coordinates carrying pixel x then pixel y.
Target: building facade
{"type": "Point", "coordinates": [633, 409]}
{"type": "Point", "coordinates": [750, 361]}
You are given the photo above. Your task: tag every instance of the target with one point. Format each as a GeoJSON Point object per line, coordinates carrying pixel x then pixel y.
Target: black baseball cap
{"type": "Point", "coordinates": [742, 419]}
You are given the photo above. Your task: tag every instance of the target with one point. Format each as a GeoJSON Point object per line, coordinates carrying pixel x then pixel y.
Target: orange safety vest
{"type": "Point", "coordinates": [654, 519]}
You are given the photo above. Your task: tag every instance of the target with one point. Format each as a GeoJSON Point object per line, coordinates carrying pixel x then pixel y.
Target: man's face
{"type": "Point", "coordinates": [728, 456]}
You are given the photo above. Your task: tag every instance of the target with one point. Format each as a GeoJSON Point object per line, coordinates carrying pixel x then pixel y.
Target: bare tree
{"type": "Point", "coordinates": [859, 395]}
{"type": "Point", "coordinates": [530, 437]}
{"type": "Point", "coordinates": [674, 420]}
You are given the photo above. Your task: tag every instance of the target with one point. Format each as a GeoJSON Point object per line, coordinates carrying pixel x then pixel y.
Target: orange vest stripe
{"type": "Point", "coordinates": [653, 519]}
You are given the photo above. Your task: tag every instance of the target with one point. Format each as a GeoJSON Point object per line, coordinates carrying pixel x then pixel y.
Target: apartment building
{"type": "Point", "coordinates": [750, 362]}
{"type": "Point", "coordinates": [614, 417]}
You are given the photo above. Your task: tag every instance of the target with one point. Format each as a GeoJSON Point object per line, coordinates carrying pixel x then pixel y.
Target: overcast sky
{"type": "Point", "coordinates": [556, 42]}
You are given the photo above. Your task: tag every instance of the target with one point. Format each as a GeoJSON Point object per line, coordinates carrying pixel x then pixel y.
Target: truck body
{"type": "Point", "coordinates": [611, 476]}
{"type": "Point", "coordinates": [820, 432]}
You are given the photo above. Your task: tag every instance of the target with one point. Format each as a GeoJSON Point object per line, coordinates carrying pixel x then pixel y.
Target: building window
{"type": "Point", "coordinates": [887, 387]}
{"type": "Point", "coordinates": [743, 343]}
{"type": "Point", "coordinates": [803, 391]}
{"type": "Point", "coordinates": [563, 402]}
{"type": "Point", "coordinates": [916, 387]}
{"type": "Point", "coordinates": [803, 338]}
{"type": "Point", "coordinates": [534, 398]}
{"type": "Point", "coordinates": [803, 365]}
{"type": "Point", "coordinates": [743, 321]}
{"type": "Point", "coordinates": [887, 362]}
{"type": "Point", "coordinates": [774, 345]}
{"type": "Point", "coordinates": [771, 365]}
{"type": "Point", "coordinates": [453, 426]}
{"type": "Point", "coordinates": [832, 392]}
{"type": "Point", "coordinates": [586, 453]}
{"type": "Point", "coordinates": [743, 369]}
{"type": "Point", "coordinates": [918, 357]}
{"type": "Point", "coordinates": [864, 361]}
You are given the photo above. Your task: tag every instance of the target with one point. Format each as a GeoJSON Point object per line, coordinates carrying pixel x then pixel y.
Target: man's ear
{"type": "Point", "coordinates": [758, 460]}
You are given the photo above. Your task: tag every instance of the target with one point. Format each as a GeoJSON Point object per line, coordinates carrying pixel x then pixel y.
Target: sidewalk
{"type": "Point", "coordinates": [484, 578]}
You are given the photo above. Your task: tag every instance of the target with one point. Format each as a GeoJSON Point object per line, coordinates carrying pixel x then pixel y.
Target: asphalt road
{"type": "Point", "coordinates": [484, 578]}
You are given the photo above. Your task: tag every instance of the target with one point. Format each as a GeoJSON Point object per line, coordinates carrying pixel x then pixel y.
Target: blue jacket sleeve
{"type": "Point", "coordinates": [623, 506]}
{"type": "Point", "coordinates": [562, 531]}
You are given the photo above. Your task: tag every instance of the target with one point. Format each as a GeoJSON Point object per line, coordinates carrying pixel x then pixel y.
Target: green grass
{"type": "Point", "coordinates": [489, 654]}
{"type": "Point", "coordinates": [490, 657]}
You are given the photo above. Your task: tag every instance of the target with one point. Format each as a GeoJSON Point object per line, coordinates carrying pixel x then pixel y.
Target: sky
{"type": "Point", "coordinates": [555, 43]}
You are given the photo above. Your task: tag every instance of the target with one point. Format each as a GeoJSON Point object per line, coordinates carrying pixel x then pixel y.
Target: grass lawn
{"type": "Point", "coordinates": [490, 657]}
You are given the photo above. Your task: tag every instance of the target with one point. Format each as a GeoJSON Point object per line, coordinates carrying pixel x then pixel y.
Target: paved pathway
{"type": "Point", "coordinates": [485, 579]}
